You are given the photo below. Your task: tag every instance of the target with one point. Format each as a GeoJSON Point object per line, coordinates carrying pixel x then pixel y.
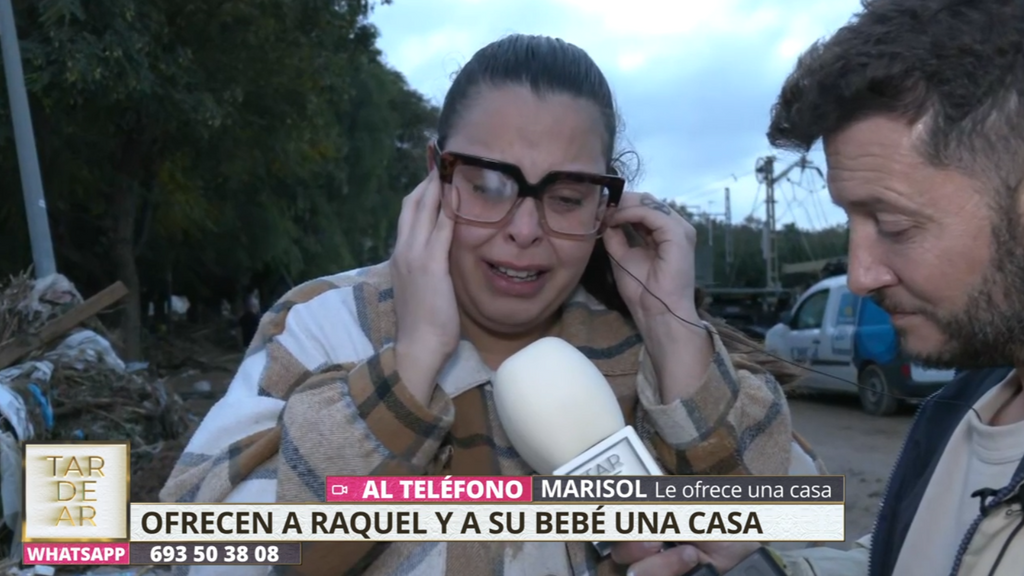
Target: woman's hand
{"type": "Point", "coordinates": [428, 318]}
{"type": "Point", "coordinates": [659, 289]}
{"type": "Point", "coordinates": [664, 260]}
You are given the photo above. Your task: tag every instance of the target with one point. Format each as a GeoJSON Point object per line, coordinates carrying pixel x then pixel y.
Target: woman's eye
{"type": "Point", "coordinates": [489, 190]}
{"type": "Point", "coordinates": [567, 201]}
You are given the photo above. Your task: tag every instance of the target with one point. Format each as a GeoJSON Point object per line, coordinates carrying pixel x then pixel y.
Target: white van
{"type": "Point", "coordinates": [846, 339]}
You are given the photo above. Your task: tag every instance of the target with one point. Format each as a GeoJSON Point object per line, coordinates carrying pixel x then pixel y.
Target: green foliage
{"type": "Point", "coordinates": [234, 140]}
{"type": "Point", "coordinates": [196, 146]}
{"type": "Point", "coordinates": [747, 267]}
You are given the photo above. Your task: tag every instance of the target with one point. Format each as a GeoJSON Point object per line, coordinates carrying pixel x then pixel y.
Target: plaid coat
{"type": "Point", "coordinates": [318, 394]}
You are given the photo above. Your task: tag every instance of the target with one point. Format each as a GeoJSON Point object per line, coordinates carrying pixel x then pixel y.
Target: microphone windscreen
{"type": "Point", "coordinates": [554, 403]}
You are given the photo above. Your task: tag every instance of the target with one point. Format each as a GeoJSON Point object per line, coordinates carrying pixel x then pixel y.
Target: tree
{"type": "Point", "coordinates": [747, 269]}
{"type": "Point", "coordinates": [198, 145]}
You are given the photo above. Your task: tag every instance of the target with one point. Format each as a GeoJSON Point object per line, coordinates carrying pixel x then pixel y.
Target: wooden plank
{"type": "Point", "coordinates": [25, 345]}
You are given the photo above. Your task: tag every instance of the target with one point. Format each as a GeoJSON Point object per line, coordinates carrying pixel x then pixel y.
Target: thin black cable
{"type": "Point", "coordinates": [1006, 545]}
{"type": "Point", "coordinates": [765, 352]}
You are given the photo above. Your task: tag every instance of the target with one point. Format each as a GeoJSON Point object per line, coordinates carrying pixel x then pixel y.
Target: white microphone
{"type": "Point", "coordinates": [562, 417]}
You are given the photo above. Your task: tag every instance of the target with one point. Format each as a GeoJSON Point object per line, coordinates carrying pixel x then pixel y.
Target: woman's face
{"type": "Point", "coordinates": [539, 135]}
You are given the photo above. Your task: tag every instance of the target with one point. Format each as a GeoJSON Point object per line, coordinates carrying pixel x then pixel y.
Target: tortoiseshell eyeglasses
{"type": "Point", "coordinates": [487, 192]}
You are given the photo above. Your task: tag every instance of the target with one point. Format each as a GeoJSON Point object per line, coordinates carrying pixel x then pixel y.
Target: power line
{"type": "Point", "coordinates": [713, 188]}
{"type": "Point", "coordinates": [765, 170]}
{"type": "Point", "coordinates": [753, 208]}
{"type": "Point", "coordinates": [812, 219]}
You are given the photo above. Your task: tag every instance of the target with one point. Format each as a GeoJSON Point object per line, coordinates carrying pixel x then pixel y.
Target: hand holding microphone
{"type": "Point", "coordinates": [563, 418]}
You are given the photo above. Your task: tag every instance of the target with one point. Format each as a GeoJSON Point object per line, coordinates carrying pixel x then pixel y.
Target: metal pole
{"type": "Point", "coordinates": [766, 173]}
{"type": "Point", "coordinates": [728, 230]}
{"type": "Point", "coordinates": [772, 250]}
{"type": "Point", "coordinates": [25, 142]}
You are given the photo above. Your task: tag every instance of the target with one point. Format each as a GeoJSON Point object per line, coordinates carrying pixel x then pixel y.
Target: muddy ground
{"type": "Point", "coordinates": [852, 443]}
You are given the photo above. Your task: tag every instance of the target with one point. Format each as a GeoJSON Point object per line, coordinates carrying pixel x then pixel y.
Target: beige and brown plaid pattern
{"type": "Point", "coordinates": [346, 412]}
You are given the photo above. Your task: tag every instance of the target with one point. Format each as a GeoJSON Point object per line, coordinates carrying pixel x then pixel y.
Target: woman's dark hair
{"type": "Point", "coordinates": [548, 66]}
{"type": "Point", "coordinates": [553, 66]}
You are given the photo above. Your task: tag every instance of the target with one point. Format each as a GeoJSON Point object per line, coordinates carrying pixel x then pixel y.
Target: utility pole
{"type": "Point", "coordinates": [708, 217]}
{"type": "Point", "coordinates": [705, 260]}
{"type": "Point", "coordinates": [765, 170]}
{"type": "Point", "coordinates": [728, 231]}
{"type": "Point", "coordinates": [25, 142]}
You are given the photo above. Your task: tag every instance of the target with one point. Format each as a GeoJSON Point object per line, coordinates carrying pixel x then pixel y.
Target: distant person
{"type": "Point", "coordinates": [387, 370]}
{"type": "Point", "coordinates": [920, 104]}
{"type": "Point", "coordinates": [249, 321]}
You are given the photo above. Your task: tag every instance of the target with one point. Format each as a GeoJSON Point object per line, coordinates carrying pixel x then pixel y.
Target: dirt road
{"type": "Point", "coordinates": [853, 443]}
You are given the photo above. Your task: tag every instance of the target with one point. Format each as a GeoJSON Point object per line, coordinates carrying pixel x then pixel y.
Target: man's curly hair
{"type": "Point", "coordinates": [955, 66]}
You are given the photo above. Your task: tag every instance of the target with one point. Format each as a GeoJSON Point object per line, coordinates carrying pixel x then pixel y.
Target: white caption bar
{"type": "Point", "coordinates": [499, 522]}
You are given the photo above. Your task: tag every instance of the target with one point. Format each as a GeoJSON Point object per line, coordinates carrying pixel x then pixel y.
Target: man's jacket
{"type": "Point", "coordinates": [996, 535]}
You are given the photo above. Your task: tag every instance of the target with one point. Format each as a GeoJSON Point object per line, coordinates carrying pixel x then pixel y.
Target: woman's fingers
{"type": "Point", "coordinates": [426, 210]}
{"type": "Point", "coordinates": [659, 227]}
{"type": "Point", "coordinates": [615, 242]}
{"type": "Point", "coordinates": [409, 213]}
{"type": "Point", "coordinates": [424, 229]}
{"type": "Point", "coordinates": [419, 213]}
{"type": "Point", "coordinates": [441, 239]}
{"type": "Point", "coordinates": [432, 198]}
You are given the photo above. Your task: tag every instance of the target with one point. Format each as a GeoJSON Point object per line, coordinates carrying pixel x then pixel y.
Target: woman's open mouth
{"type": "Point", "coordinates": [516, 275]}
{"type": "Point", "coordinates": [517, 280]}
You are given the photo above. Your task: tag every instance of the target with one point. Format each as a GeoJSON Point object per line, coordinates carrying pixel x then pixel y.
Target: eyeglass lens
{"type": "Point", "coordinates": [486, 196]}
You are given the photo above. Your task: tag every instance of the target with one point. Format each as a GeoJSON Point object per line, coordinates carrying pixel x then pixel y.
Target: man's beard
{"type": "Point", "coordinates": [988, 331]}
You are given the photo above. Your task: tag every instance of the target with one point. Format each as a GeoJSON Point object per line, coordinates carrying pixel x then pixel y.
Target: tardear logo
{"type": "Point", "coordinates": [76, 491]}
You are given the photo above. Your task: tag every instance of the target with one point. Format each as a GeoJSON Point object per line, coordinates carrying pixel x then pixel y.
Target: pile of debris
{"type": "Point", "coordinates": [61, 379]}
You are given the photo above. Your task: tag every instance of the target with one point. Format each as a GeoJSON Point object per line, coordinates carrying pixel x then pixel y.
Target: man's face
{"type": "Point", "coordinates": [938, 250]}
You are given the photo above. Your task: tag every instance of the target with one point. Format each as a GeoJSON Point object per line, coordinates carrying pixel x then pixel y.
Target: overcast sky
{"type": "Point", "coordinates": [694, 80]}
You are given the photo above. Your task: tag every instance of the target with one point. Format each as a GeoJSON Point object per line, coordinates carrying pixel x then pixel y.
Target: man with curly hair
{"type": "Point", "coordinates": [919, 105]}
